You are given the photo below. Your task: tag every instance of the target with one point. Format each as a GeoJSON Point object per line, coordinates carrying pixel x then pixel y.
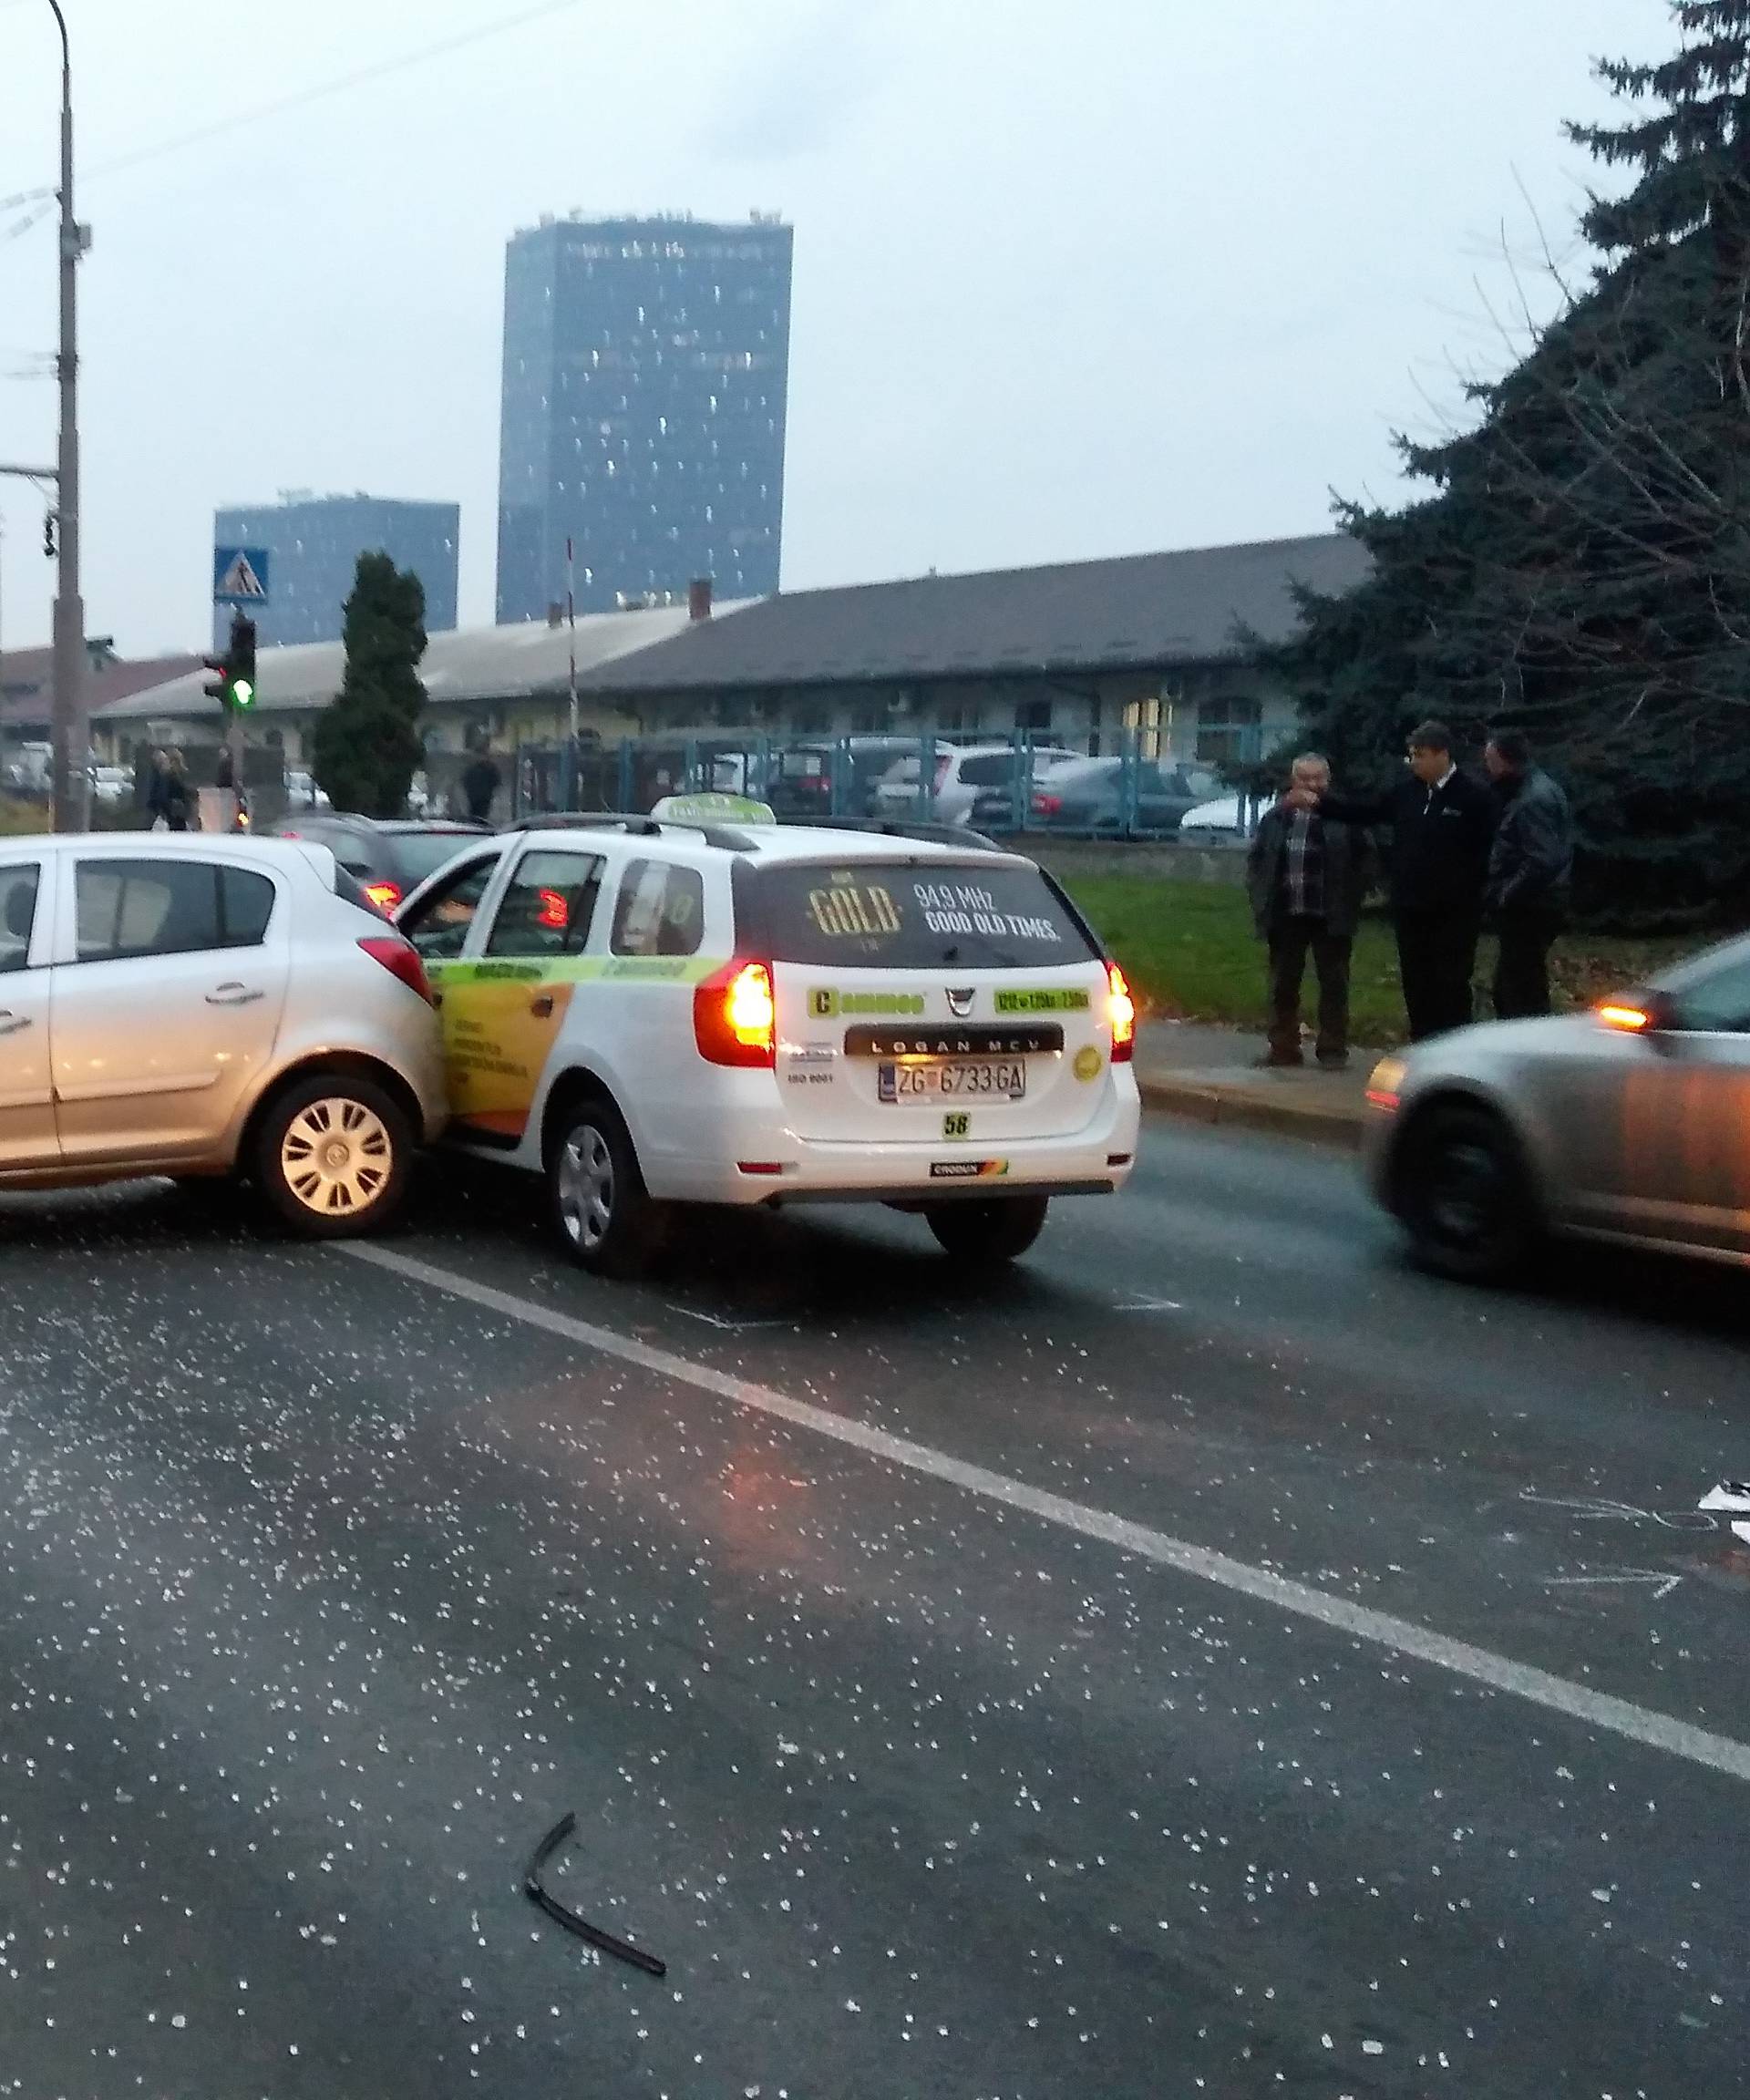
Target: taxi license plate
{"type": "Point", "coordinates": [953, 1078]}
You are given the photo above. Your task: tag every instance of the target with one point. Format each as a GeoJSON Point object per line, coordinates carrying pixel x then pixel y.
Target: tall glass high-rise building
{"type": "Point", "coordinates": [315, 542]}
{"type": "Point", "coordinates": [646, 363]}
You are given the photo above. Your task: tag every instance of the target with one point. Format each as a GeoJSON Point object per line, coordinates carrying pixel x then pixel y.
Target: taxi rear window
{"type": "Point", "coordinates": [897, 915]}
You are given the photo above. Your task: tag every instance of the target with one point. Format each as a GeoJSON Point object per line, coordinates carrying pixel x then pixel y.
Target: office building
{"type": "Point", "coordinates": [646, 363]}
{"type": "Point", "coordinates": [313, 543]}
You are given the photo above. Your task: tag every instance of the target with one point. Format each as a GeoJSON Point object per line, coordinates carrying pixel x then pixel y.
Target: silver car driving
{"type": "Point", "coordinates": [1631, 1122]}
{"type": "Point", "coordinates": [207, 1006]}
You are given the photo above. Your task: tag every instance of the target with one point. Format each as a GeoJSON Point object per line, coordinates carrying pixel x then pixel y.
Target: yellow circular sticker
{"type": "Point", "coordinates": [1089, 1063]}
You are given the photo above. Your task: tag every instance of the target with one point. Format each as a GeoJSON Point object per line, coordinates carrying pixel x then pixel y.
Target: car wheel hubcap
{"type": "Point", "coordinates": [336, 1157]}
{"type": "Point", "coordinates": [1466, 1188]}
{"type": "Point", "coordinates": [586, 1187]}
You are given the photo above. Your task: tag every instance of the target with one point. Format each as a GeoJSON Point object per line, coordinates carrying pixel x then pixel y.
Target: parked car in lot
{"type": "Point", "coordinates": [196, 1006]}
{"type": "Point", "coordinates": [1629, 1123]}
{"type": "Point", "coordinates": [1112, 795]}
{"type": "Point", "coordinates": [963, 778]}
{"type": "Point", "coordinates": [648, 1012]}
{"type": "Point", "coordinates": [1219, 819]}
{"type": "Point", "coordinates": [800, 779]}
{"type": "Point", "coordinates": [386, 858]}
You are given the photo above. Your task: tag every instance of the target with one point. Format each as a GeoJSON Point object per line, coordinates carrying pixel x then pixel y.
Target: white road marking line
{"type": "Point", "coordinates": [1662, 1584]}
{"type": "Point", "coordinates": [1151, 1306]}
{"type": "Point", "coordinates": [1600, 1710]}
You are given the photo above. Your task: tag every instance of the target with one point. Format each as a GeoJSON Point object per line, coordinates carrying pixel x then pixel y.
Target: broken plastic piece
{"type": "Point", "coordinates": [556, 1911]}
{"type": "Point", "coordinates": [1732, 1495]}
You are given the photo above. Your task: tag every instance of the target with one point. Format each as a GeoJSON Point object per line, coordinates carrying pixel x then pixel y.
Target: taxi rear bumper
{"type": "Point", "coordinates": [755, 1159]}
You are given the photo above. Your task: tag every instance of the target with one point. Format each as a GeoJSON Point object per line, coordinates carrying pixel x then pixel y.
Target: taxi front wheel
{"type": "Point", "coordinates": [605, 1215]}
{"type": "Point", "coordinates": [1000, 1229]}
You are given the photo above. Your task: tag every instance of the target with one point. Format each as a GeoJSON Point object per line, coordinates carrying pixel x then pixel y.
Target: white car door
{"type": "Point", "coordinates": [170, 978]}
{"type": "Point", "coordinates": [27, 1134]}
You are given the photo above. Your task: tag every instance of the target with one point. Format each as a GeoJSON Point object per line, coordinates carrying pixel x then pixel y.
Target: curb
{"type": "Point", "coordinates": [1244, 1108]}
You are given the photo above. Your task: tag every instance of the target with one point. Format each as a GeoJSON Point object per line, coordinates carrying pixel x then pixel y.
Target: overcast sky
{"type": "Point", "coordinates": [1073, 277]}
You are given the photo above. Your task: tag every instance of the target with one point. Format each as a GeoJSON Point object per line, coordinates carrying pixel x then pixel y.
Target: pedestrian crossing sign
{"type": "Point", "coordinates": [239, 575]}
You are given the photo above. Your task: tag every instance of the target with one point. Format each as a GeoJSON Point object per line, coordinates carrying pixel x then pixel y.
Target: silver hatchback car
{"type": "Point", "coordinates": [198, 1007]}
{"type": "Point", "coordinates": [1629, 1123]}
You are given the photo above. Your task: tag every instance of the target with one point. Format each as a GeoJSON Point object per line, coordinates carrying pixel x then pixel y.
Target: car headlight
{"type": "Point", "coordinates": [1385, 1083]}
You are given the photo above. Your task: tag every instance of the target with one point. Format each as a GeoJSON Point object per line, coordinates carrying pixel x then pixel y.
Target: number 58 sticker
{"type": "Point", "coordinates": [956, 1124]}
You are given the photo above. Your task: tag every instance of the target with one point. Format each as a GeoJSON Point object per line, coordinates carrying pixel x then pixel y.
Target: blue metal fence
{"type": "Point", "coordinates": [1027, 783]}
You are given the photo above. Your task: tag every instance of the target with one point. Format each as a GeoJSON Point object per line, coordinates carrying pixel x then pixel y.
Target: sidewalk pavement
{"type": "Point", "coordinates": [1211, 1075]}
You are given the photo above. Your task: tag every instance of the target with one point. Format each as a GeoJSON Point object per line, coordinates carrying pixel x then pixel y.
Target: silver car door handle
{"type": "Point", "coordinates": [233, 996]}
{"type": "Point", "coordinates": [10, 1024]}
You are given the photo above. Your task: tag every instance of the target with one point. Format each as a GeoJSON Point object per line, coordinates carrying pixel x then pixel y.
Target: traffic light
{"type": "Point", "coordinates": [242, 662]}
{"type": "Point", "coordinates": [233, 685]}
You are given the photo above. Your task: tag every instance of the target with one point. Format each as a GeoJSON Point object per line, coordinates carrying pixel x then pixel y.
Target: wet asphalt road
{"type": "Point", "coordinates": [324, 1593]}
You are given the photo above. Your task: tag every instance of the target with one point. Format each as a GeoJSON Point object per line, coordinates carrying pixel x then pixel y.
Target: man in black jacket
{"type": "Point", "coordinates": [1307, 877]}
{"type": "Point", "coordinates": [1442, 825]}
{"type": "Point", "coordinates": [1530, 865]}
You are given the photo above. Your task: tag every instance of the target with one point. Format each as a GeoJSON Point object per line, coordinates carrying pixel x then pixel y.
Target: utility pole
{"type": "Point", "coordinates": [71, 738]}
{"type": "Point", "coordinates": [572, 796]}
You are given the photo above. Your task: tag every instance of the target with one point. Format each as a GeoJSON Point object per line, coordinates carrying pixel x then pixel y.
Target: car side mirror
{"type": "Point", "coordinates": [1640, 1013]}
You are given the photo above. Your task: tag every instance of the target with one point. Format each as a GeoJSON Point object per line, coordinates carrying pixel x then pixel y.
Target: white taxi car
{"type": "Point", "coordinates": [695, 1008]}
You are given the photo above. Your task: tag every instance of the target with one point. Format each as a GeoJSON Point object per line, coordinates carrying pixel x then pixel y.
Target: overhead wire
{"type": "Point", "coordinates": [381, 69]}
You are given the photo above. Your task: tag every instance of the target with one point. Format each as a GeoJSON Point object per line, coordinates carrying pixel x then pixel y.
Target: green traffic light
{"type": "Point", "coordinates": [243, 693]}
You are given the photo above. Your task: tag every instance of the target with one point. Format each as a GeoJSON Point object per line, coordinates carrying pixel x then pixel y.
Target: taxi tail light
{"type": "Point", "coordinates": [1046, 805]}
{"type": "Point", "coordinates": [385, 896]}
{"type": "Point", "coordinates": [1121, 1011]}
{"type": "Point", "coordinates": [941, 772]}
{"type": "Point", "coordinates": [734, 1016]}
{"type": "Point", "coordinates": [400, 959]}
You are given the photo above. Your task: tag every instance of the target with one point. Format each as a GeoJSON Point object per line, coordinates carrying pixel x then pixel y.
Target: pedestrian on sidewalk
{"type": "Point", "coordinates": [1307, 877]}
{"type": "Point", "coordinates": [1442, 823]}
{"type": "Point", "coordinates": [170, 798]}
{"type": "Point", "coordinates": [1530, 868]}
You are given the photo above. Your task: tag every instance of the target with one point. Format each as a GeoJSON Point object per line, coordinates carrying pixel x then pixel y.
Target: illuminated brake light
{"type": "Point", "coordinates": [1047, 805]}
{"type": "Point", "coordinates": [554, 916]}
{"type": "Point", "coordinates": [1121, 1013]}
{"type": "Point", "coordinates": [1632, 1019]}
{"type": "Point", "coordinates": [385, 896]}
{"type": "Point", "coordinates": [401, 960]}
{"type": "Point", "coordinates": [734, 1016]}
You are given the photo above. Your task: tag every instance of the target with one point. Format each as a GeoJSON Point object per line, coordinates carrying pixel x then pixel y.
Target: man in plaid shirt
{"type": "Point", "coordinates": [1307, 875]}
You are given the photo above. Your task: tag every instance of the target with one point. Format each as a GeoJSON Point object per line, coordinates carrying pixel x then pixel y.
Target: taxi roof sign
{"type": "Point", "coordinates": [711, 808]}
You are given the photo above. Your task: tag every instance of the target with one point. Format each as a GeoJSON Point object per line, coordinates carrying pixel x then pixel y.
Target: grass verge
{"type": "Point", "coordinates": [1190, 951]}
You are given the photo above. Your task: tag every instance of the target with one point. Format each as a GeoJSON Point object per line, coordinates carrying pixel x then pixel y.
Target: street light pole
{"type": "Point", "coordinates": [69, 732]}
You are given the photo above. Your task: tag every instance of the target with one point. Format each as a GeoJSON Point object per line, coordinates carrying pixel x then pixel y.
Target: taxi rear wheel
{"type": "Point", "coordinates": [606, 1216]}
{"type": "Point", "coordinates": [1000, 1229]}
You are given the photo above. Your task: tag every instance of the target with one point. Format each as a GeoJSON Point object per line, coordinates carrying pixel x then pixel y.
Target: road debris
{"type": "Point", "coordinates": [596, 1937]}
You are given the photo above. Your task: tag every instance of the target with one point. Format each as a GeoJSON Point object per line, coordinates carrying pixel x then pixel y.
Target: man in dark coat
{"type": "Point", "coordinates": [1442, 826]}
{"type": "Point", "coordinates": [481, 781]}
{"type": "Point", "coordinates": [1530, 867]}
{"type": "Point", "coordinates": [1306, 877]}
